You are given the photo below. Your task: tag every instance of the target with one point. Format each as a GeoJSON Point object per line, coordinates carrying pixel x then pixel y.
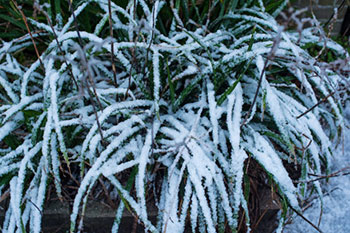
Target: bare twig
{"type": "Point", "coordinates": [96, 115]}
{"type": "Point", "coordinates": [112, 44]}
{"type": "Point", "coordinates": [133, 61]}
{"type": "Point", "coordinates": [4, 195]}
{"type": "Point", "coordinates": [107, 195]}
{"type": "Point", "coordinates": [297, 212]}
{"type": "Point", "coordinates": [29, 31]}
{"type": "Point", "coordinates": [311, 201]}
{"type": "Point", "coordinates": [37, 6]}
{"type": "Point", "coordinates": [85, 63]}
{"type": "Point", "coordinates": [175, 13]}
{"type": "Point", "coordinates": [305, 219]}
{"type": "Point", "coordinates": [129, 84]}
{"type": "Point", "coordinates": [342, 4]}
{"type": "Point", "coordinates": [36, 207]}
{"type": "Point", "coordinates": [256, 94]}
{"type": "Point", "coordinates": [150, 44]}
{"type": "Point", "coordinates": [302, 149]}
{"type": "Point", "coordinates": [75, 23]}
{"type": "Point", "coordinates": [334, 174]}
{"type": "Point", "coordinates": [270, 57]}
{"type": "Point", "coordinates": [258, 221]}
{"type": "Point", "coordinates": [318, 103]}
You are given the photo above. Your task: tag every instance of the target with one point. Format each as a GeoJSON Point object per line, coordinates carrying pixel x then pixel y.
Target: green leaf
{"type": "Point", "coordinates": [171, 85]}
{"type": "Point", "coordinates": [18, 23]}
{"type": "Point", "coordinates": [195, 8]}
{"type": "Point", "coordinates": [184, 9]}
{"type": "Point", "coordinates": [128, 187]}
{"type": "Point", "coordinates": [57, 7]}
{"type": "Point", "coordinates": [12, 34]}
{"type": "Point", "coordinates": [251, 41]}
{"type": "Point", "coordinates": [5, 179]}
{"type": "Point", "coordinates": [233, 5]}
{"type": "Point", "coordinates": [31, 113]}
{"type": "Point", "coordinates": [246, 181]}
{"type": "Point", "coordinates": [284, 203]}
{"type": "Point", "coordinates": [51, 10]}
{"type": "Point", "coordinates": [185, 93]}
{"type": "Point", "coordinates": [12, 141]}
{"type": "Point", "coordinates": [273, 6]}
{"type": "Point", "coordinates": [263, 104]}
{"type": "Point", "coordinates": [201, 44]}
{"type": "Point", "coordinates": [231, 88]}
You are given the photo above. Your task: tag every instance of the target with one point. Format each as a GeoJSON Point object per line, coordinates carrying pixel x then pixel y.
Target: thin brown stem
{"type": "Point", "coordinates": [96, 115]}
{"type": "Point", "coordinates": [305, 219]}
{"type": "Point", "coordinates": [112, 44]}
{"type": "Point", "coordinates": [298, 213]}
{"type": "Point", "coordinates": [319, 102]}
{"type": "Point", "coordinates": [259, 220]}
{"type": "Point", "coordinates": [256, 94]}
{"type": "Point", "coordinates": [75, 23]}
{"type": "Point", "coordinates": [90, 79]}
{"type": "Point", "coordinates": [149, 45]}
{"type": "Point", "coordinates": [36, 207]}
{"type": "Point", "coordinates": [29, 31]}
{"type": "Point", "coordinates": [271, 56]}
{"type": "Point", "coordinates": [129, 84]}
{"type": "Point", "coordinates": [334, 174]}
{"type": "Point", "coordinates": [37, 6]}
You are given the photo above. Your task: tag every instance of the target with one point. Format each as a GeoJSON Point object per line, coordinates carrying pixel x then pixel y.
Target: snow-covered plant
{"type": "Point", "coordinates": [182, 104]}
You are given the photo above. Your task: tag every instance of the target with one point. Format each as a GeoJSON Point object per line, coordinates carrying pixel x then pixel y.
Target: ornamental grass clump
{"type": "Point", "coordinates": [166, 102]}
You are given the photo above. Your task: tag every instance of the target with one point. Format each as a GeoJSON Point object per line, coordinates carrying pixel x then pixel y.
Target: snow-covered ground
{"type": "Point", "coordinates": [336, 212]}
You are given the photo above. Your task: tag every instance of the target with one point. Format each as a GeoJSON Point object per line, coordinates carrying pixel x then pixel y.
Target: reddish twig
{"type": "Point", "coordinates": [305, 219]}
{"type": "Point", "coordinates": [319, 102]}
{"type": "Point", "coordinates": [29, 31]}
{"type": "Point", "coordinates": [334, 174]}
{"type": "Point", "coordinates": [271, 56]}
{"type": "Point", "coordinates": [84, 59]}
{"type": "Point", "coordinates": [112, 44]}
{"type": "Point", "coordinates": [37, 6]}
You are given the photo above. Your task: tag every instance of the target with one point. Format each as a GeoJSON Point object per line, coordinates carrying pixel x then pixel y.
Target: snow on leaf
{"type": "Point", "coordinates": [213, 112]}
{"type": "Point", "coordinates": [267, 157]}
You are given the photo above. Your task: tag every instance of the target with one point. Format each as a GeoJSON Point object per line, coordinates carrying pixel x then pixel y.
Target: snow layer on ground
{"type": "Point", "coordinates": [336, 214]}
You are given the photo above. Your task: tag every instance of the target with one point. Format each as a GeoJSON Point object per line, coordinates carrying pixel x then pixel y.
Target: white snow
{"type": "Point", "coordinates": [336, 198]}
{"type": "Point", "coordinates": [156, 78]}
{"type": "Point", "coordinates": [7, 86]}
{"type": "Point", "coordinates": [6, 129]}
{"type": "Point", "coordinates": [213, 112]}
